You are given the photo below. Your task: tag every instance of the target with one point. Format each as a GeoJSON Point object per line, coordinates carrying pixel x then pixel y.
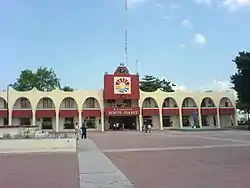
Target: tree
{"type": "Point", "coordinates": [67, 88]}
{"type": "Point", "coordinates": [43, 79]}
{"type": "Point", "coordinates": [152, 83]}
{"type": "Point", "coordinates": [240, 80]}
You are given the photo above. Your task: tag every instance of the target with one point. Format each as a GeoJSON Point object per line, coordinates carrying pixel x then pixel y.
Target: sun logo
{"type": "Point", "coordinates": [122, 85]}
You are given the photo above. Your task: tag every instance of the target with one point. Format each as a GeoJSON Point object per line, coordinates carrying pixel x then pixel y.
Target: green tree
{"type": "Point", "coordinates": [67, 88]}
{"type": "Point", "coordinates": [241, 79]}
{"type": "Point", "coordinates": [43, 79]}
{"type": "Point", "coordinates": [152, 83]}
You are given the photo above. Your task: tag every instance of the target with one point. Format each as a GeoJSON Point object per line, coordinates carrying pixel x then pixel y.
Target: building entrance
{"type": "Point", "coordinates": [123, 122]}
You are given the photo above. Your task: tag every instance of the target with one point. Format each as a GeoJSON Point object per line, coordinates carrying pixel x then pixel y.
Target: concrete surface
{"type": "Point", "coordinates": [37, 145]}
{"type": "Point", "coordinates": [171, 159]}
{"type": "Point", "coordinates": [96, 170]}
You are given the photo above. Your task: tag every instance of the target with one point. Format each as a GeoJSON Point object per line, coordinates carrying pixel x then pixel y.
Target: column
{"type": "Point", "coordinates": [140, 122]}
{"type": "Point", "coordinates": [160, 116]}
{"type": "Point", "coordinates": [10, 117]}
{"type": "Point", "coordinates": [34, 118]}
{"type": "Point", "coordinates": [102, 120]}
{"type": "Point", "coordinates": [200, 119]}
{"type": "Point", "coordinates": [57, 121]}
{"type": "Point", "coordinates": [79, 119]}
{"type": "Point", "coordinates": [218, 118]}
{"type": "Point", "coordinates": [180, 117]}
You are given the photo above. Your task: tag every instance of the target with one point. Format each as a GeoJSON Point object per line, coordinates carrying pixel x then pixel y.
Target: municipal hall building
{"type": "Point", "coordinates": [121, 101]}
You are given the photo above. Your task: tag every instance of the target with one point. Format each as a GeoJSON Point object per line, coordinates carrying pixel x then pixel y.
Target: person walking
{"type": "Point", "coordinates": [84, 129]}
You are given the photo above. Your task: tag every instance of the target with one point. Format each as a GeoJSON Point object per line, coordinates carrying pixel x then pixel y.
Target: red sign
{"type": "Point", "coordinates": [133, 111]}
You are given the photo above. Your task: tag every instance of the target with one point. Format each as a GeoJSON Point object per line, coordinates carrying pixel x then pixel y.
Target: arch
{"type": "Point", "coordinates": [189, 102]}
{"type": "Point", "coordinates": [3, 103]}
{"type": "Point", "coordinates": [45, 103]}
{"type": "Point", "coordinates": [225, 102]}
{"type": "Point", "coordinates": [207, 102]}
{"type": "Point", "coordinates": [91, 102]}
{"type": "Point", "coordinates": [68, 103]}
{"type": "Point", "coordinates": [22, 103]}
{"type": "Point", "coordinates": [169, 102]}
{"type": "Point", "coordinates": [149, 102]}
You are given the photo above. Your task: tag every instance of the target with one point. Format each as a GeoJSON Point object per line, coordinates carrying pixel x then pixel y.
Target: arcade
{"type": "Point", "coordinates": [121, 102]}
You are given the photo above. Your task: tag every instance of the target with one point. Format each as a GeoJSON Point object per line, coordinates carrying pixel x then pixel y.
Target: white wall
{"type": "Point", "coordinates": [225, 121]}
{"type": "Point", "coordinates": [176, 121]}
{"type": "Point", "coordinates": [156, 122]}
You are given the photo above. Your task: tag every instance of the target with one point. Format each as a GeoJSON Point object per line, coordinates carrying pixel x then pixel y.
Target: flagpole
{"type": "Point", "coordinates": [126, 35]}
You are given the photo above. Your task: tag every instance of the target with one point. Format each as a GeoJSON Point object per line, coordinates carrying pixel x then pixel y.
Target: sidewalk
{"type": "Point", "coordinates": [96, 170]}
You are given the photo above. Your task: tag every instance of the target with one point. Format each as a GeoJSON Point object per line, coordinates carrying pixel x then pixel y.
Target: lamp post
{"type": "Point", "coordinates": [8, 88]}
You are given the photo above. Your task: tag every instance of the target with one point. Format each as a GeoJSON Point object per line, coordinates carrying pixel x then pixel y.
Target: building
{"type": "Point", "coordinates": [120, 100]}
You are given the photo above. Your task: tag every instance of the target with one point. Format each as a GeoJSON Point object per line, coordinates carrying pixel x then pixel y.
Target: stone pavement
{"type": "Point", "coordinates": [96, 170]}
{"type": "Point", "coordinates": [180, 159]}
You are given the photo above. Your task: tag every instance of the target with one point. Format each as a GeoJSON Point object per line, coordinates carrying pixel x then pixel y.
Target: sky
{"type": "Point", "coordinates": [191, 43]}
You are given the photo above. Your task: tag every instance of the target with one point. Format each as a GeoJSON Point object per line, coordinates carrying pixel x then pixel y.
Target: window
{"type": "Point", "coordinates": [69, 103]}
{"type": "Point", "coordinates": [25, 103]}
{"type": "Point", "coordinates": [90, 103]}
{"type": "Point", "coordinates": [25, 121]}
{"type": "Point", "coordinates": [91, 122]}
{"type": "Point", "coordinates": [166, 103]}
{"type": "Point", "coordinates": [147, 103]}
{"type": "Point", "coordinates": [111, 103]}
{"type": "Point", "coordinates": [47, 103]}
{"type": "Point", "coordinates": [226, 104]}
{"type": "Point", "coordinates": [47, 123]}
{"type": "Point", "coordinates": [69, 123]}
{"type": "Point", "coordinates": [5, 121]}
{"type": "Point", "coordinates": [167, 121]}
{"type": "Point", "coordinates": [185, 104]}
{"type": "Point", "coordinates": [5, 106]}
{"type": "Point", "coordinates": [127, 103]}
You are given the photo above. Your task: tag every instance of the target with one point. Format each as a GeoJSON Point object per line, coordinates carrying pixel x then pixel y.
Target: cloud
{"type": "Point", "coordinates": [181, 45]}
{"type": "Point", "coordinates": [199, 39]}
{"type": "Point", "coordinates": [234, 5]}
{"type": "Point", "coordinates": [174, 6]}
{"type": "Point", "coordinates": [186, 23]}
{"type": "Point", "coordinates": [208, 2]}
{"type": "Point", "coordinates": [179, 88]}
{"type": "Point", "coordinates": [134, 3]}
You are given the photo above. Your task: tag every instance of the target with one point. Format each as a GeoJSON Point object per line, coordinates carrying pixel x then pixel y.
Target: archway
{"type": "Point", "coordinates": [46, 114]}
{"type": "Point", "coordinates": [227, 113]}
{"type": "Point", "coordinates": [208, 113]}
{"type": "Point", "coordinates": [3, 112]}
{"type": "Point", "coordinates": [91, 111]}
{"type": "Point", "coordinates": [170, 113]}
{"type": "Point", "coordinates": [22, 112]}
{"type": "Point", "coordinates": [150, 112]}
{"type": "Point", "coordinates": [189, 112]}
{"type": "Point", "coordinates": [68, 114]}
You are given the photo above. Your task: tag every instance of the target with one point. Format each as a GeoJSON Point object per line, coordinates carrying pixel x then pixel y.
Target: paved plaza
{"type": "Point", "coordinates": [166, 159]}
{"type": "Point", "coordinates": [215, 159]}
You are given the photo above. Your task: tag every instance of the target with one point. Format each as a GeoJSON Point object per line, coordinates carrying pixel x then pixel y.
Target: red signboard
{"type": "Point", "coordinates": [132, 111]}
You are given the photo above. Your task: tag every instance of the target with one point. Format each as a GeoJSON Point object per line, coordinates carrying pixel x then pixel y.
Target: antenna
{"type": "Point", "coordinates": [136, 67]}
{"type": "Point", "coordinates": [126, 34]}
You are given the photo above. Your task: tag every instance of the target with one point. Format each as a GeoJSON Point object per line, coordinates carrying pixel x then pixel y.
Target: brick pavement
{"type": "Point", "coordinates": [50, 170]}
{"type": "Point", "coordinates": [178, 168]}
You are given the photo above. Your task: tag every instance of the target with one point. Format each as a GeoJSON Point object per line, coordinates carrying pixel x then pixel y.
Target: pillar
{"type": "Point", "coordinates": [57, 121]}
{"type": "Point", "coordinates": [10, 117]}
{"type": "Point", "coordinates": [218, 118]}
{"type": "Point", "coordinates": [34, 118]}
{"type": "Point", "coordinates": [180, 117]}
{"type": "Point", "coordinates": [161, 120]}
{"type": "Point", "coordinates": [140, 122]}
{"type": "Point", "coordinates": [200, 118]}
{"type": "Point", "coordinates": [102, 120]}
{"type": "Point", "coordinates": [79, 119]}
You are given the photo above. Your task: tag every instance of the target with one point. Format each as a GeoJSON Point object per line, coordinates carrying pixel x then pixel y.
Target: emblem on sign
{"type": "Point", "coordinates": [122, 85]}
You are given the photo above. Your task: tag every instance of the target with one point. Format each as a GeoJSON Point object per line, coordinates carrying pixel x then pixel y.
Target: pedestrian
{"type": "Point", "coordinates": [149, 128]}
{"type": "Point", "coordinates": [77, 131]}
{"type": "Point", "coordinates": [84, 129]}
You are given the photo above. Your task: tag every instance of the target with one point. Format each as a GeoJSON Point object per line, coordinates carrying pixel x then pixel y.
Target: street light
{"type": "Point", "coordinates": [8, 88]}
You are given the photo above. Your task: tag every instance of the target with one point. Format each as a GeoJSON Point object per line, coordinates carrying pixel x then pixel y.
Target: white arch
{"type": "Point", "coordinates": [213, 102]}
{"type": "Point", "coordinates": [150, 98]}
{"type": "Point", "coordinates": [63, 100]}
{"type": "Point", "coordinates": [19, 98]}
{"type": "Point", "coordinates": [88, 98]}
{"type": "Point", "coordinates": [170, 98]}
{"type": "Point", "coordinates": [192, 99]}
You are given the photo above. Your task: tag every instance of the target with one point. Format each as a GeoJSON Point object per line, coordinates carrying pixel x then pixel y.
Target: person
{"type": "Point", "coordinates": [149, 128]}
{"type": "Point", "coordinates": [84, 129]}
{"type": "Point", "coordinates": [77, 131]}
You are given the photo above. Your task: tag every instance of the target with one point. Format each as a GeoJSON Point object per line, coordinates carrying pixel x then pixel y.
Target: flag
{"type": "Point", "coordinates": [126, 5]}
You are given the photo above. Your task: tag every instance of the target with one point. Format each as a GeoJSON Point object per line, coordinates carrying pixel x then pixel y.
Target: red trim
{"type": "Point", "coordinates": [208, 111]}
{"type": "Point", "coordinates": [170, 111]}
{"type": "Point", "coordinates": [18, 126]}
{"type": "Point", "coordinates": [45, 113]}
{"type": "Point", "coordinates": [91, 113]}
{"type": "Point", "coordinates": [22, 113]}
{"type": "Point", "coordinates": [122, 111]}
{"type": "Point", "coordinates": [150, 111]}
{"type": "Point", "coordinates": [188, 111]}
{"type": "Point", "coordinates": [3, 113]}
{"type": "Point", "coordinates": [68, 113]}
{"type": "Point", "coordinates": [227, 111]}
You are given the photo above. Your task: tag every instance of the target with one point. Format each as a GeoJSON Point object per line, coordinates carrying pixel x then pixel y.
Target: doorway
{"type": "Point", "coordinates": [125, 122]}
